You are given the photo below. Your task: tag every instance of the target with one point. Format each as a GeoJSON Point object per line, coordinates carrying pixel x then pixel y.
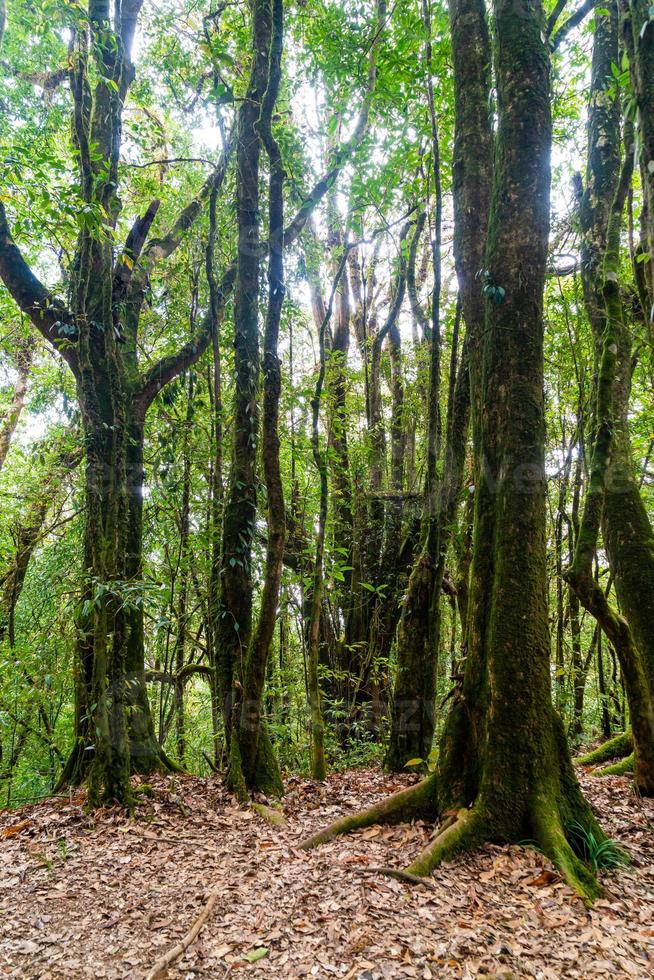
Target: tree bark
{"type": "Point", "coordinates": [505, 767]}
{"type": "Point", "coordinates": [10, 418]}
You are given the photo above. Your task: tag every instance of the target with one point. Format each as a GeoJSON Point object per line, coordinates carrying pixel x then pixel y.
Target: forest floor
{"type": "Point", "coordinates": [103, 895]}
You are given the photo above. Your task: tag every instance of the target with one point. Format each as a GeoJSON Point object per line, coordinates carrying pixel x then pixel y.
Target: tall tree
{"type": "Point", "coordinates": [97, 335]}
{"type": "Point", "coordinates": [505, 767]}
{"type": "Point", "coordinates": [413, 718]}
{"type": "Point", "coordinates": [613, 499]}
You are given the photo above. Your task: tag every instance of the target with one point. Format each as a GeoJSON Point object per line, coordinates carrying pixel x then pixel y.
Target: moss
{"type": "Point", "coordinates": [145, 789]}
{"type": "Point", "coordinates": [464, 833]}
{"type": "Point", "coordinates": [272, 816]}
{"type": "Point", "coordinates": [614, 748]}
{"type": "Point", "coordinates": [418, 800]}
{"type": "Point", "coordinates": [266, 777]}
{"type": "Point", "coordinates": [617, 769]}
{"type": "Point", "coordinates": [234, 780]}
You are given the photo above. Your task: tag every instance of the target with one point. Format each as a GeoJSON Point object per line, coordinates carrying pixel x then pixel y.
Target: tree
{"type": "Point", "coordinates": [613, 498]}
{"type": "Point", "coordinates": [97, 337]}
{"type": "Point", "coordinates": [505, 768]}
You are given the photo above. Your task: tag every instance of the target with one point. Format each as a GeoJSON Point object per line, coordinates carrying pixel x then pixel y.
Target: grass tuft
{"type": "Point", "coordinates": [598, 854]}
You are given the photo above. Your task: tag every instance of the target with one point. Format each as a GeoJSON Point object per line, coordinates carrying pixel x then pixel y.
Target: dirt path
{"type": "Point", "coordinates": [105, 896]}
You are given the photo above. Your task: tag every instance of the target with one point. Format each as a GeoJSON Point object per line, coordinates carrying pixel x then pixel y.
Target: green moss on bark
{"type": "Point", "coordinates": [614, 748]}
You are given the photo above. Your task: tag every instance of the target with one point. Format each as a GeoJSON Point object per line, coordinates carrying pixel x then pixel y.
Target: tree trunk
{"type": "Point", "coordinates": [10, 418]}
{"type": "Point", "coordinates": [252, 763]}
{"type": "Point", "coordinates": [505, 765]}
{"type": "Point", "coordinates": [613, 496]}
{"type": "Point", "coordinates": [413, 712]}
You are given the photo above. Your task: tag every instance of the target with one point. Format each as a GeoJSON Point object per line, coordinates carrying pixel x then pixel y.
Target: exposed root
{"type": "Point", "coordinates": [468, 829]}
{"type": "Point", "coordinates": [162, 964]}
{"type": "Point", "coordinates": [461, 834]}
{"type": "Point", "coordinates": [621, 768]}
{"type": "Point", "coordinates": [551, 837]}
{"type": "Point", "coordinates": [399, 875]}
{"type": "Point", "coordinates": [402, 806]}
{"type": "Point", "coordinates": [615, 748]}
{"type": "Point", "coordinates": [271, 816]}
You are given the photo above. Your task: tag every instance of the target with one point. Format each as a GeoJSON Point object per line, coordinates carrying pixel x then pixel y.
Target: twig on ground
{"type": "Point", "coordinates": [173, 954]}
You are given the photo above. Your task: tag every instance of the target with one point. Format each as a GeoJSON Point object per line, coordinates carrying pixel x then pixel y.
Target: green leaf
{"type": "Point", "coordinates": [256, 954]}
{"type": "Point", "coordinates": [413, 762]}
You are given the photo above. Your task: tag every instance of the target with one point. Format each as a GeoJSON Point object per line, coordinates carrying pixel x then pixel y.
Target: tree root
{"type": "Point", "coordinates": [271, 816]}
{"type": "Point", "coordinates": [621, 768]}
{"type": "Point", "coordinates": [173, 954]}
{"type": "Point", "coordinates": [546, 814]}
{"type": "Point", "coordinates": [615, 748]}
{"type": "Point", "coordinates": [403, 806]}
{"type": "Point", "coordinates": [460, 834]}
{"type": "Point", "coordinates": [551, 837]}
{"type": "Point", "coordinates": [399, 875]}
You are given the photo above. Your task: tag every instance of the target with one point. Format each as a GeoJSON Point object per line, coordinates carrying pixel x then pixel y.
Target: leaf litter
{"type": "Point", "coordinates": [104, 895]}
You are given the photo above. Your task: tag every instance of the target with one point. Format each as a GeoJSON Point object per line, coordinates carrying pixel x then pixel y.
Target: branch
{"type": "Point", "coordinates": [572, 22]}
{"type": "Point", "coordinates": [162, 964]}
{"type": "Point", "coordinates": [48, 314]}
{"type": "Point", "coordinates": [554, 16]}
{"type": "Point", "coordinates": [134, 243]}
{"type": "Point", "coordinates": [161, 248]}
{"type": "Point", "coordinates": [169, 367]}
{"type": "Point", "coordinates": [344, 152]}
{"type": "Point", "coordinates": [48, 80]}
{"type": "Point", "coordinates": [419, 314]}
{"type": "Point", "coordinates": [398, 299]}
{"type": "Point", "coordinates": [158, 249]}
{"type": "Point", "coordinates": [165, 162]}
{"type": "Point", "coordinates": [162, 677]}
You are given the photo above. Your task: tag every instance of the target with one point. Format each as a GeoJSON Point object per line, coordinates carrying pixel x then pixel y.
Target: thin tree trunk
{"type": "Point", "coordinates": [10, 418]}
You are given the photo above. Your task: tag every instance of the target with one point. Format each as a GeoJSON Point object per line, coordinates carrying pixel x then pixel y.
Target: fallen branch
{"type": "Point", "coordinates": [173, 954]}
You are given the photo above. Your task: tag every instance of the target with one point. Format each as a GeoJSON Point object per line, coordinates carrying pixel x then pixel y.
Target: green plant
{"type": "Point", "coordinates": [597, 853]}
{"type": "Point", "coordinates": [429, 764]}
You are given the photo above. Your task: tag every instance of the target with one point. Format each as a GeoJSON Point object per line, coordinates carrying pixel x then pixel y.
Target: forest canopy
{"type": "Point", "coordinates": [326, 416]}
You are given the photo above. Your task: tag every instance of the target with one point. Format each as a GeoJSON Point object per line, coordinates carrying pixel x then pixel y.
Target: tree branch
{"type": "Point", "coordinates": [343, 153]}
{"type": "Point", "coordinates": [162, 677]}
{"type": "Point", "coordinates": [161, 248]}
{"type": "Point", "coordinates": [400, 289]}
{"type": "Point", "coordinates": [169, 367]}
{"type": "Point", "coordinates": [48, 314]}
{"type": "Point", "coordinates": [554, 16]}
{"type": "Point", "coordinates": [158, 249]}
{"type": "Point", "coordinates": [572, 22]}
{"type": "Point", "coordinates": [134, 243]}
{"type": "Point", "coordinates": [419, 314]}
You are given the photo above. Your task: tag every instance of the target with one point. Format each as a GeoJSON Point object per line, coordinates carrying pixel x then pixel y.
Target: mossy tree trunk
{"type": "Point", "coordinates": [98, 338]}
{"type": "Point", "coordinates": [505, 766]}
{"type": "Point", "coordinates": [639, 42]}
{"type": "Point", "coordinates": [613, 501]}
{"type": "Point", "coordinates": [504, 750]}
{"type": "Point", "coordinates": [413, 714]}
{"type": "Point", "coordinates": [244, 652]}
